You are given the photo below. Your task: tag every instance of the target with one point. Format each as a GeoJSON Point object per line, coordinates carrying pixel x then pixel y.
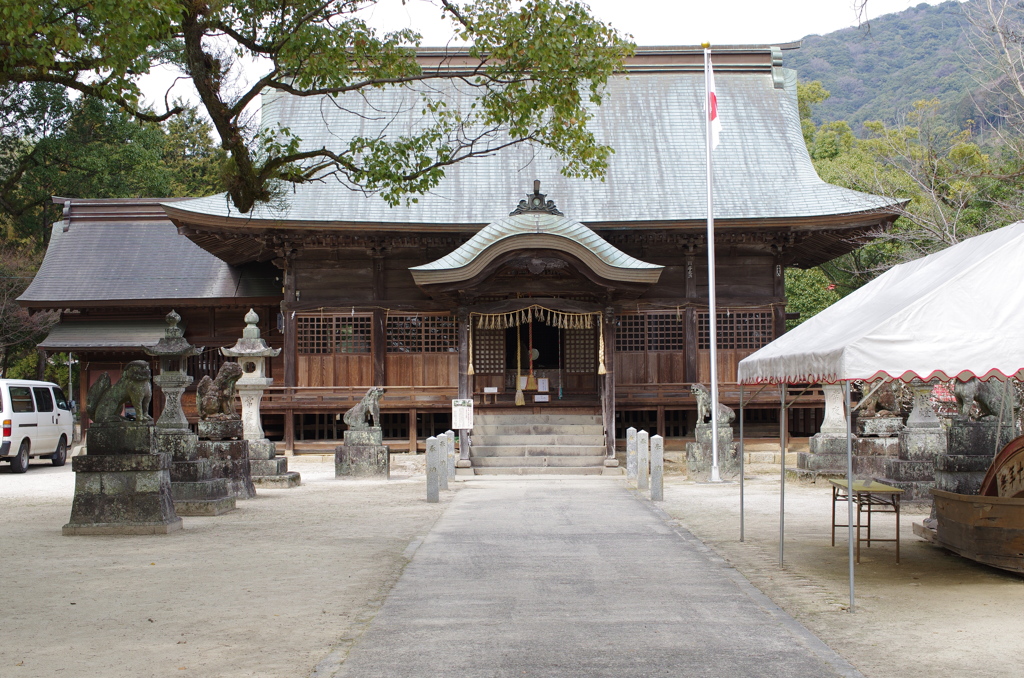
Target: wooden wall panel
{"type": "Point", "coordinates": [631, 368]}
{"type": "Point", "coordinates": [422, 369]}
{"type": "Point", "coordinates": [335, 370]}
{"type": "Point", "coordinates": [666, 367]}
{"type": "Point", "coordinates": [728, 360]}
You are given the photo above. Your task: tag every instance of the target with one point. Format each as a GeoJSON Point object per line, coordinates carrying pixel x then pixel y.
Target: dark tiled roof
{"type": "Point", "coordinates": [104, 334]}
{"type": "Point", "coordinates": [129, 252]}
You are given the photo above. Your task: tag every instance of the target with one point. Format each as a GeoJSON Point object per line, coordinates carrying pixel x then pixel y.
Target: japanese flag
{"type": "Point", "coordinates": [712, 105]}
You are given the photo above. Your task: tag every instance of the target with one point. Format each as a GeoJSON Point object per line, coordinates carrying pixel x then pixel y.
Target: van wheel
{"type": "Point", "coordinates": [19, 464]}
{"type": "Point", "coordinates": [61, 455]}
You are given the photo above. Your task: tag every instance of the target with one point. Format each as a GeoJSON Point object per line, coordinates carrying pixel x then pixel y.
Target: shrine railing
{"type": "Point", "coordinates": [681, 394]}
{"type": "Point", "coordinates": [341, 398]}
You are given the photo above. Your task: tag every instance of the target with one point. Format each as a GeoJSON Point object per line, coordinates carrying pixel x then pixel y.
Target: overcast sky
{"type": "Point", "coordinates": [650, 22]}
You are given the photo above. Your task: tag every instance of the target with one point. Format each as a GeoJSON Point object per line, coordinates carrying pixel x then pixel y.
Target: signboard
{"type": "Point", "coordinates": [541, 398]}
{"type": "Point", "coordinates": [462, 414]}
{"type": "Point", "coordinates": [542, 384]}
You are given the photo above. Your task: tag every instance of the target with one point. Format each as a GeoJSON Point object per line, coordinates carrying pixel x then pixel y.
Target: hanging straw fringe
{"type": "Point", "coordinates": [560, 319]}
{"type": "Point", "coordinates": [600, 351]}
{"type": "Point", "coordinates": [469, 370]}
{"type": "Point", "coordinates": [520, 398]}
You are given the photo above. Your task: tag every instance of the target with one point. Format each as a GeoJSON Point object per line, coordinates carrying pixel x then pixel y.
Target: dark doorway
{"type": "Point", "coordinates": [546, 341]}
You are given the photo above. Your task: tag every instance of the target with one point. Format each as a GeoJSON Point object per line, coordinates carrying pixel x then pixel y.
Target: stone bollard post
{"type": "Point", "coordinates": [657, 469]}
{"type": "Point", "coordinates": [433, 464]}
{"type": "Point", "coordinates": [643, 461]}
{"type": "Point", "coordinates": [450, 435]}
{"type": "Point", "coordinates": [442, 461]}
{"type": "Point", "coordinates": [631, 454]}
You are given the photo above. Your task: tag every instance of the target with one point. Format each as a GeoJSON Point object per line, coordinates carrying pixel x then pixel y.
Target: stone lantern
{"type": "Point", "coordinates": [251, 352]}
{"type": "Point", "coordinates": [195, 490]}
{"type": "Point", "coordinates": [173, 351]}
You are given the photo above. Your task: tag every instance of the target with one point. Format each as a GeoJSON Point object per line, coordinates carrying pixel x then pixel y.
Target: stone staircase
{"type": "Point", "coordinates": [526, 444]}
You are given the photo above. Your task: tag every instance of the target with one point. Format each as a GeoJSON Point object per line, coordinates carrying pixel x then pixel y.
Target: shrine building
{"type": "Point", "coordinates": [588, 296]}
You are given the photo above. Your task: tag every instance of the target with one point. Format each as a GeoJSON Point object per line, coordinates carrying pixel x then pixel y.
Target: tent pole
{"type": "Point", "coordinates": [782, 473]}
{"type": "Point", "coordinates": [741, 461]}
{"type": "Point", "coordinates": [849, 486]}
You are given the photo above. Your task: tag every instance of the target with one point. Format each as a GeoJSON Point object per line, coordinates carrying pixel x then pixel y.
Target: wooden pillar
{"type": "Point", "coordinates": [289, 432]}
{"type": "Point", "coordinates": [465, 379]}
{"type": "Point", "coordinates": [84, 381]}
{"type": "Point", "coordinates": [779, 291]}
{"type": "Point", "coordinates": [413, 437]}
{"type": "Point", "coordinates": [691, 344]}
{"type": "Point", "coordinates": [291, 339]}
{"type": "Point", "coordinates": [41, 366]}
{"type": "Point", "coordinates": [607, 326]}
{"type": "Point", "coordinates": [380, 319]}
{"type": "Point", "coordinates": [661, 421]}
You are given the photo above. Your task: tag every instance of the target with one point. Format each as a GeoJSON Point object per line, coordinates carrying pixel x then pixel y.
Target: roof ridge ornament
{"type": "Point", "coordinates": [536, 202]}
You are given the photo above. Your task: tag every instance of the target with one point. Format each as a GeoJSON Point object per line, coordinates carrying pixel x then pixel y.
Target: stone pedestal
{"type": "Point", "coordinates": [120, 438]}
{"type": "Point", "coordinates": [971, 446]}
{"type": "Point", "coordinates": [878, 440]}
{"type": "Point", "coordinates": [699, 454]}
{"type": "Point", "coordinates": [921, 442]}
{"type": "Point", "coordinates": [122, 494]}
{"type": "Point", "coordinates": [363, 454]}
{"type": "Point", "coordinates": [269, 470]}
{"type": "Point", "coordinates": [194, 487]}
{"type": "Point", "coordinates": [229, 461]}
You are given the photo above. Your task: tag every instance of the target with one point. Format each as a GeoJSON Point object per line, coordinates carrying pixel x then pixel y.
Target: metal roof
{"type": "Point", "coordinates": [534, 229]}
{"type": "Point", "coordinates": [128, 251]}
{"type": "Point", "coordinates": [653, 119]}
{"type": "Point", "coordinates": [104, 334]}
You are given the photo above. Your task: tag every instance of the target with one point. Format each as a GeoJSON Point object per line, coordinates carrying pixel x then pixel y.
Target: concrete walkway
{"type": "Point", "coordinates": [573, 577]}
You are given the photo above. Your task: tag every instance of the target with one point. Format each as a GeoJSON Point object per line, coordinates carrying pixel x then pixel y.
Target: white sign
{"type": "Point", "coordinates": [490, 389]}
{"type": "Point", "coordinates": [462, 414]}
{"type": "Point", "coordinates": [541, 398]}
{"type": "Point", "coordinates": [542, 384]}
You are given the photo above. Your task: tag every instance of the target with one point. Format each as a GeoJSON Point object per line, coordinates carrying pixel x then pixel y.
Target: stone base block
{"type": "Point", "coordinates": [699, 458]}
{"type": "Point", "coordinates": [910, 471]}
{"type": "Point", "coordinates": [229, 460]}
{"type": "Point", "coordinates": [262, 449]}
{"type": "Point", "coordinates": [203, 498]}
{"type": "Point", "coordinates": [961, 483]}
{"type": "Point", "coordinates": [963, 464]}
{"type": "Point", "coordinates": [268, 467]}
{"type": "Point", "coordinates": [367, 437]}
{"type": "Point", "coordinates": [281, 481]}
{"type": "Point", "coordinates": [362, 460]}
{"type": "Point", "coordinates": [127, 437]}
{"type": "Point", "coordinates": [220, 430]}
{"type": "Point", "coordinates": [181, 445]}
{"type": "Point", "coordinates": [820, 462]}
{"type": "Point", "coordinates": [190, 471]}
{"type": "Point", "coordinates": [879, 426]}
{"type": "Point", "coordinates": [869, 467]}
{"type": "Point", "coordinates": [876, 447]}
{"type": "Point", "coordinates": [827, 444]}
{"type": "Point", "coordinates": [978, 438]}
{"type": "Point", "coordinates": [703, 433]}
{"type": "Point", "coordinates": [922, 444]}
{"type": "Point", "coordinates": [122, 494]}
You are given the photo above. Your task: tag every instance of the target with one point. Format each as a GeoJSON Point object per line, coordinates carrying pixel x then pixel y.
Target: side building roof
{"type": "Point", "coordinates": [652, 117]}
{"type": "Point", "coordinates": [127, 252]}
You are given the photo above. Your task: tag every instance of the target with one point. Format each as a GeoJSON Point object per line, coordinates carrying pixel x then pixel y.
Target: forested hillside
{"type": "Point", "coordinates": [877, 71]}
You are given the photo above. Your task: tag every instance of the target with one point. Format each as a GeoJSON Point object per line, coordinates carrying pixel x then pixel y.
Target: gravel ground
{"type": "Point", "coordinates": [291, 576]}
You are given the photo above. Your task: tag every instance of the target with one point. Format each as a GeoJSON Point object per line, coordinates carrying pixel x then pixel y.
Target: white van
{"type": "Point", "coordinates": [37, 422]}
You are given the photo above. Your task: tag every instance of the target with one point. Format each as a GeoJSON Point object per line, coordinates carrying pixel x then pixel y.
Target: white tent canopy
{"type": "Point", "coordinates": [955, 313]}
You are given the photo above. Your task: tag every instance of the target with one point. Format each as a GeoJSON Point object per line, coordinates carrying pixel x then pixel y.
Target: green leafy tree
{"type": "Point", "coordinates": [19, 329]}
{"type": "Point", "coordinates": [808, 292]}
{"type": "Point", "coordinates": [536, 68]}
{"type": "Point", "coordinates": [190, 155]}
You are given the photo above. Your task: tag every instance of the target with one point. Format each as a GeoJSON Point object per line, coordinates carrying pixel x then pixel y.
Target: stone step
{"type": "Point", "coordinates": [483, 418]}
{"type": "Point", "coordinates": [530, 471]}
{"type": "Point", "coordinates": [538, 429]}
{"type": "Point", "coordinates": [537, 440]}
{"type": "Point", "coordinates": [531, 450]}
{"type": "Point", "coordinates": [534, 462]}
{"type": "Point", "coordinates": [909, 471]}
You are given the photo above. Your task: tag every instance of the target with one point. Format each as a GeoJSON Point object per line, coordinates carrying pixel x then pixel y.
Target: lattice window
{"type": "Point", "coordinates": [631, 332]}
{"type": "Point", "coordinates": [581, 350]}
{"type": "Point", "coordinates": [638, 332]}
{"type": "Point", "coordinates": [325, 334]}
{"type": "Point", "coordinates": [666, 332]}
{"type": "Point", "coordinates": [422, 334]}
{"type": "Point", "coordinates": [742, 330]}
{"type": "Point", "coordinates": [488, 351]}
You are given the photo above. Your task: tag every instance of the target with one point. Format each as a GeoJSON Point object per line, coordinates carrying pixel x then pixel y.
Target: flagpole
{"type": "Point", "coordinates": [712, 312]}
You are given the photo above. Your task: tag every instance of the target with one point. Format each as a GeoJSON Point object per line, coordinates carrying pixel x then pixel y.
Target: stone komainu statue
{"type": "Point", "coordinates": [726, 415]}
{"type": "Point", "coordinates": [104, 401]}
{"type": "Point", "coordinates": [215, 398]}
{"type": "Point", "coordinates": [884, 402]}
{"type": "Point", "coordinates": [366, 413]}
{"type": "Point", "coordinates": [987, 395]}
